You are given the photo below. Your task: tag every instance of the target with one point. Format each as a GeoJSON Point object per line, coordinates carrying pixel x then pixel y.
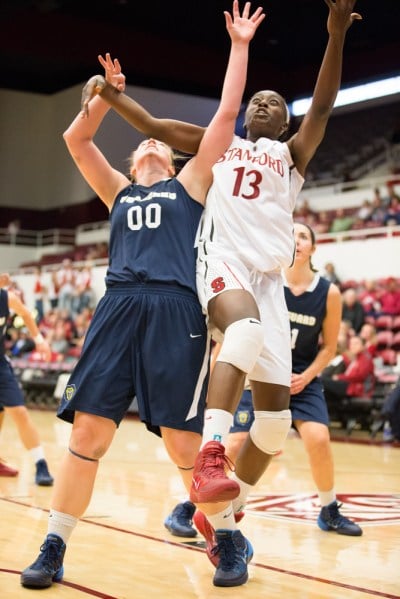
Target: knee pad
{"type": "Point", "coordinates": [242, 344]}
{"type": "Point", "coordinates": [270, 429]}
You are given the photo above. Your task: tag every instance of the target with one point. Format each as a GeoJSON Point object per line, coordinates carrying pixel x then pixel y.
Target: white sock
{"type": "Point", "coordinates": [240, 502]}
{"type": "Point", "coordinates": [37, 453]}
{"type": "Point", "coordinates": [216, 425]}
{"type": "Point", "coordinates": [326, 497]}
{"type": "Point", "coordinates": [223, 520]}
{"type": "Point", "coordinates": [61, 524]}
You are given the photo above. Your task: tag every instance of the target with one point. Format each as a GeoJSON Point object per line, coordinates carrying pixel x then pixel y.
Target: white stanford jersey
{"type": "Point", "coordinates": [250, 204]}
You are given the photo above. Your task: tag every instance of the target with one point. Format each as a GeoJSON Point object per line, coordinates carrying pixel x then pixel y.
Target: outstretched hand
{"type": "Point", "coordinates": [341, 16]}
{"type": "Point", "coordinates": [113, 73]}
{"type": "Point", "coordinates": [242, 28]}
{"type": "Point", "coordinates": [113, 76]}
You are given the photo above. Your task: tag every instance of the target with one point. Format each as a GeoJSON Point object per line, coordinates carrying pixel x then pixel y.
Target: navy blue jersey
{"type": "Point", "coordinates": [152, 238]}
{"type": "Point", "coordinates": [4, 313]}
{"type": "Point", "coordinates": [306, 312]}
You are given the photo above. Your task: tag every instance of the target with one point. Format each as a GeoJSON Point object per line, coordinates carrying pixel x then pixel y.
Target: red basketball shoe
{"type": "Point", "coordinates": [210, 483]}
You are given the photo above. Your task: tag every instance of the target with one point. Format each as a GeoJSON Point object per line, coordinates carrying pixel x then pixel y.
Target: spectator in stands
{"type": "Point", "coordinates": [352, 309]}
{"type": "Point", "coordinates": [393, 210]}
{"type": "Point", "coordinates": [53, 290]}
{"type": "Point", "coordinates": [330, 273]}
{"type": "Point", "coordinates": [39, 292]}
{"type": "Point", "coordinates": [378, 208]}
{"type": "Point", "coordinates": [11, 396]}
{"type": "Point", "coordinates": [341, 222]}
{"type": "Point", "coordinates": [365, 211]}
{"type": "Point", "coordinates": [302, 212]}
{"type": "Point", "coordinates": [83, 294]}
{"type": "Point", "coordinates": [66, 277]}
{"type": "Point", "coordinates": [390, 297]}
{"type": "Point", "coordinates": [368, 296]}
{"type": "Point", "coordinates": [323, 223]}
{"type": "Point", "coordinates": [58, 341]}
{"type": "Point", "coordinates": [13, 228]}
{"type": "Point", "coordinates": [368, 333]}
{"type": "Point", "coordinates": [358, 378]}
{"type": "Point", "coordinates": [345, 332]}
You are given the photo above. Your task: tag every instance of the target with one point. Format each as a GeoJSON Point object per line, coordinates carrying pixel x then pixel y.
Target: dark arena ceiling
{"type": "Point", "coordinates": [49, 45]}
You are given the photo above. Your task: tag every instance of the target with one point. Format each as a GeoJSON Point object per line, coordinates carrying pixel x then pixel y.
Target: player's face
{"type": "Point", "coordinates": [304, 244]}
{"type": "Point", "coordinates": [266, 115]}
{"type": "Point", "coordinates": [154, 149]}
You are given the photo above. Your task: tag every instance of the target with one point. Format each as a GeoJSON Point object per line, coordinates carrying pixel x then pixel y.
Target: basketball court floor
{"type": "Point", "coordinates": [121, 550]}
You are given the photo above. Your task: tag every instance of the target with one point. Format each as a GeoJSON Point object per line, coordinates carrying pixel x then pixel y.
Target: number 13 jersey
{"type": "Point", "coordinates": [248, 213]}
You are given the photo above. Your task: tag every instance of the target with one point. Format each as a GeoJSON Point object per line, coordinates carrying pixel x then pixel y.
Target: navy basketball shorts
{"type": "Point", "coordinates": [10, 392]}
{"type": "Point", "coordinates": [310, 405]}
{"type": "Point", "coordinates": [244, 415]}
{"type": "Point", "coordinates": [148, 341]}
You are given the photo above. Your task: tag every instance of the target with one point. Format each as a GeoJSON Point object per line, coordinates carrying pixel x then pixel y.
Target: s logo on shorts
{"type": "Point", "coordinates": [69, 392]}
{"type": "Point", "coordinates": [218, 284]}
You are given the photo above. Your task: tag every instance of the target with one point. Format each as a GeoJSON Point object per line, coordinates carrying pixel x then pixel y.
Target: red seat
{"type": "Point", "coordinates": [396, 324]}
{"type": "Point", "coordinates": [385, 321]}
{"type": "Point", "coordinates": [389, 356]}
{"type": "Point", "coordinates": [384, 339]}
{"type": "Point", "coordinates": [396, 341]}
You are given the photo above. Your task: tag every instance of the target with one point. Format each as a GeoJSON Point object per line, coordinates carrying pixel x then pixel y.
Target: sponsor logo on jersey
{"type": "Point", "coordinates": [149, 196]}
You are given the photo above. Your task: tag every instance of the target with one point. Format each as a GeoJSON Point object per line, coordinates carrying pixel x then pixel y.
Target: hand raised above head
{"type": "Point", "coordinates": [112, 71]}
{"type": "Point", "coordinates": [242, 28]}
{"type": "Point", "coordinates": [93, 87]}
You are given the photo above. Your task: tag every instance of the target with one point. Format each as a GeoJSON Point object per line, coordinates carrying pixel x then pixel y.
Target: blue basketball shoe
{"type": "Point", "coordinates": [180, 521]}
{"type": "Point", "coordinates": [235, 552]}
{"type": "Point", "coordinates": [331, 519]}
{"type": "Point", "coordinates": [48, 567]}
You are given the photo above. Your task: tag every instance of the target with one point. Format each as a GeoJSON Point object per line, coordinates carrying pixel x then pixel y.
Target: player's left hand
{"type": "Point", "coordinates": [297, 383]}
{"type": "Point", "coordinates": [242, 28]}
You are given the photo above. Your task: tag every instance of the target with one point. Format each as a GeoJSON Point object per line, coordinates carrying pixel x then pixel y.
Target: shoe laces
{"type": "Point", "coordinates": [50, 556]}
{"type": "Point", "coordinates": [229, 553]}
{"type": "Point", "coordinates": [215, 460]}
{"type": "Point", "coordinates": [184, 513]}
{"type": "Point", "coordinates": [335, 516]}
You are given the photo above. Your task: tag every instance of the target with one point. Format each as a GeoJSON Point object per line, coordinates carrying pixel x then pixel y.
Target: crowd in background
{"type": "Point", "coordinates": [379, 211]}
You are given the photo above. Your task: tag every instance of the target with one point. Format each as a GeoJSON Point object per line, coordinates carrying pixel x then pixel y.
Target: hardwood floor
{"type": "Point", "coordinates": [122, 550]}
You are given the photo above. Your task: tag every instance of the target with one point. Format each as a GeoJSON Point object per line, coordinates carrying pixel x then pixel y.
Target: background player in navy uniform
{"type": "Point", "coordinates": [315, 309]}
{"type": "Point", "coordinates": [11, 397]}
{"type": "Point", "coordinates": [148, 336]}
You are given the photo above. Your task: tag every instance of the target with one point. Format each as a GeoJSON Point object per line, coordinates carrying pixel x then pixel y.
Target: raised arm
{"type": "Point", "coordinates": [197, 174]}
{"type": "Point", "coordinates": [177, 134]}
{"type": "Point", "coordinates": [95, 168]}
{"type": "Point", "coordinates": [182, 136]}
{"type": "Point", "coordinates": [312, 129]}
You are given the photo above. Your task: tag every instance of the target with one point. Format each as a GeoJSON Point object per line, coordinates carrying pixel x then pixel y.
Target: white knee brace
{"type": "Point", "coordinates": [242, 344]}
{"type": "Point", "coordinates": [270, 429]}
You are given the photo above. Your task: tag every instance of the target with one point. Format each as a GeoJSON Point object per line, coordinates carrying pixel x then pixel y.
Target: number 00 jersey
{"type": "Point", "coordinates": [153, 232]}
{"type": "Point", "coordinates": [250, 204]}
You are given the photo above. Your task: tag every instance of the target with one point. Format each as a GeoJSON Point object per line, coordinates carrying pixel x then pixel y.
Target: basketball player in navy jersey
{"type": "Point", "coordinates": [148, 336]}
{"type": "Point", "coordinates": [11, 396]}
{"type": "Point", "coordinates": [245, 241]}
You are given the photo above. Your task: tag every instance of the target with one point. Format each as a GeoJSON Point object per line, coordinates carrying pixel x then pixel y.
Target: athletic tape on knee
{"type": "Point", "coordinates": [82, 457]}
{"type": "Point", "coordinates": [270, 429]}
{"type": "Point", "coordinates": [242, 344]}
